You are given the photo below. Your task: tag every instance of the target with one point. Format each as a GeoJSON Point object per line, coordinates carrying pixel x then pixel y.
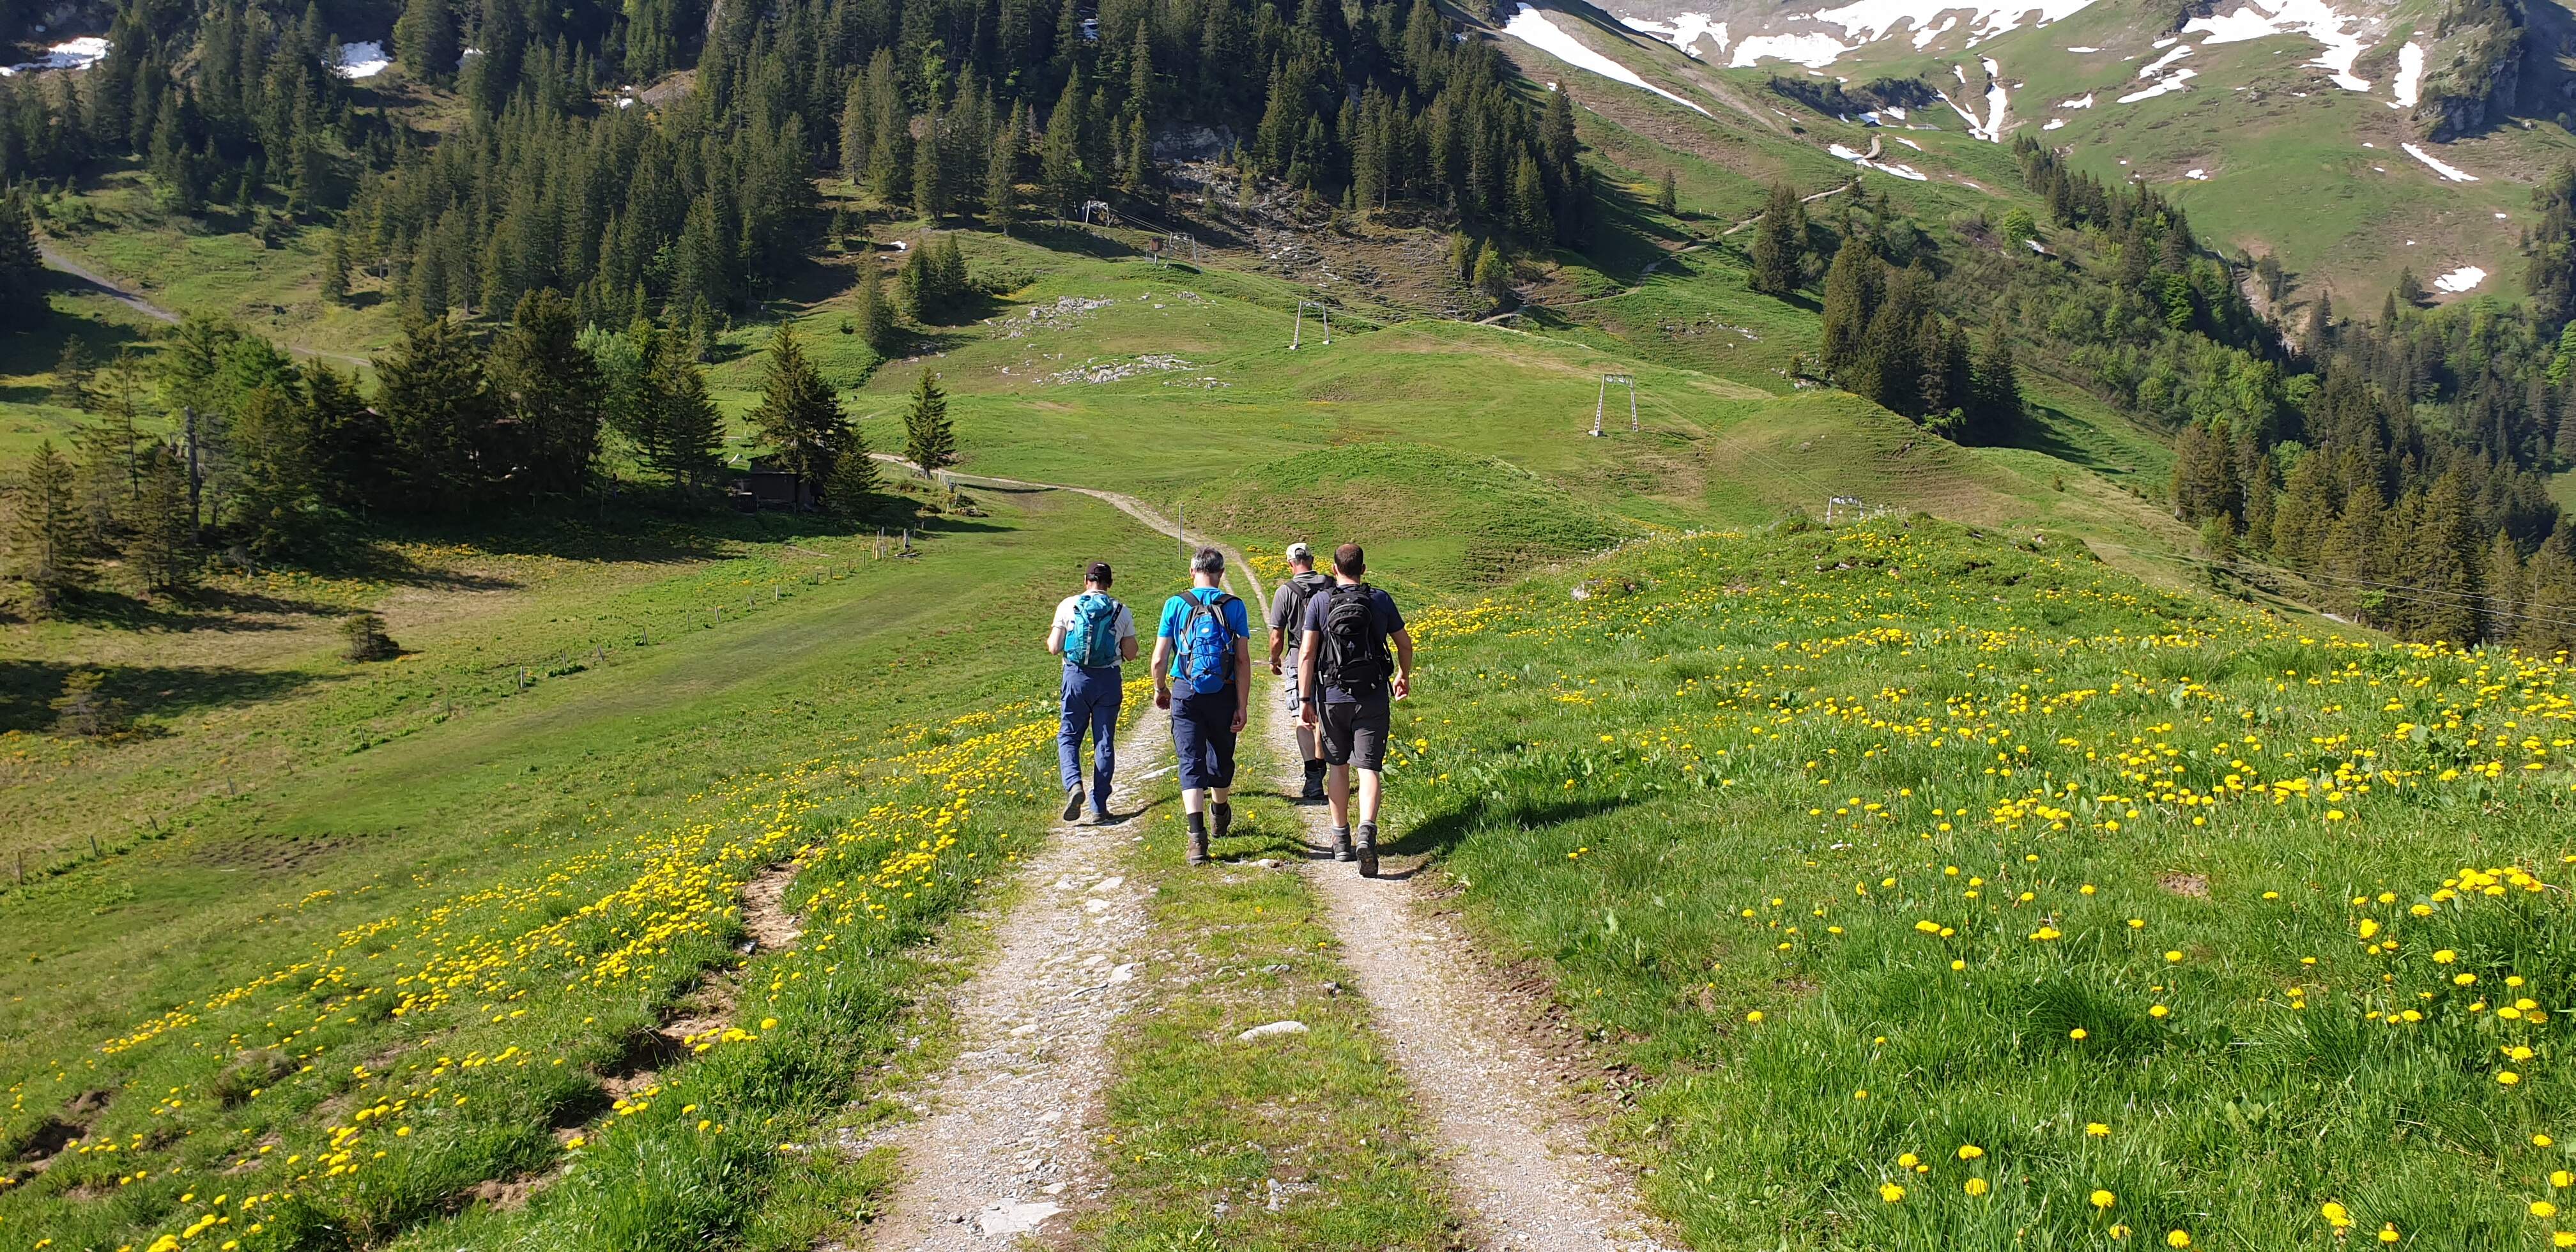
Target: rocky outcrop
{"type": "Point", "coordinates": [2479, 56]}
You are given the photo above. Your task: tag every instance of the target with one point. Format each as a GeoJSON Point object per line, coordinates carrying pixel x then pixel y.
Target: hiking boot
{"type": "Point", "coordinates": [1224, 818]}
{"type": "Point", "coordinates": [1101, 817]}
{"type": "Point", "coordinates": [1368, 850]}
{"type": "Point", "coordinates": [1314, 793]}
{"type": "Point", "coordinates": [1073, 802]}
{"type": "Point", "coordinates": [1198, 847]}
{"type": "Point", "coordinates": [1342, 844]}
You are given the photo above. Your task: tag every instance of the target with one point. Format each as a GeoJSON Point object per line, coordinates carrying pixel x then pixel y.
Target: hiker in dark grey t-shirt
{"type": "Point", "coordinates": [1348, 681]}
{"type": "Point", "coordinates": [1287, 631]}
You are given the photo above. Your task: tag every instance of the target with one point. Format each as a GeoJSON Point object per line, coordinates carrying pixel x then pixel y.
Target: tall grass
{"type": "Point", "coordinates": [1946, 893]}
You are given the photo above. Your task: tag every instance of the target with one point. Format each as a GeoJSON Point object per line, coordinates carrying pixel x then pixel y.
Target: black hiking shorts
{"type": "Point", "coordinates": [1355, 733]}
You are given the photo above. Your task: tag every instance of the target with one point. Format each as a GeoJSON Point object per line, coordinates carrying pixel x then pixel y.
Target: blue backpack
{"type": "Point", "coordinates": [1205, 644]}
{"type": "Point", "coordinates": [1092, 640]}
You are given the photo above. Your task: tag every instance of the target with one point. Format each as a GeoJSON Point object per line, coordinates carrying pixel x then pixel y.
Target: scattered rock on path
{"type": "Point", "coordinates": [1272, 1031]}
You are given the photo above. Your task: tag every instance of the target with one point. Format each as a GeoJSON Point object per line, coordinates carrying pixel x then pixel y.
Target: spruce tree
{"type": "Point", "coordinates": [798, 416]}
{"type": "Point", "coordinates": [425, 40]}
{"type": "Point", "coordinates": [1001, 184]}
{"type": "Point", "coordinates": [72, 374]}
{"type": "Point", "coordinates": [1530, 217]}
{"type": "Point", "coordinates": [1780, 244]}
{"type": "Point", "coordinates": [1667, 196]}
{"type": "Point", "coordinates": [22, 266]}
{"type": "Point", "coordinates": [1852, 286]}
{"type": "Point", "coordinates": [48, 540]}
{"type": "Point", "coordinates": [875, 311]}
{"type": "Point", "coordinates": [440, 413]}
{"type": "Point", "coordinates": [552, 389]}
{"type": "Point", "coordinates": [852, 491]}
{"type": "Point", "coordinates": [276, 474]}
{"type": "Point", "coordinates": [161, 542]}
{"type": "Point", "coordinates": [929, 172]}
{"type": "Point", "coordinates": [1995, 382]}
{"type": "Point", "coordinates": [689, 444]}
{"type": "Point", "coordinates": [1060, 174]}
{"type": "Point", "coordinates": [928, 440]}
{"type": "Point", "coordinates": [335, 269]}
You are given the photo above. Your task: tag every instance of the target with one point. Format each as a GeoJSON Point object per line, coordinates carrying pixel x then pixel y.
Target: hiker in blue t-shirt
{"type": "Point", "coordinates": [1203, 652]}
{"type": "Point", "coordinates": [1093, 633]}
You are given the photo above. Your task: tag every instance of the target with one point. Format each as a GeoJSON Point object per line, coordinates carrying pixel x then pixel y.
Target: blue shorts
{"type": "Point", "coordinates": [1203, 738]}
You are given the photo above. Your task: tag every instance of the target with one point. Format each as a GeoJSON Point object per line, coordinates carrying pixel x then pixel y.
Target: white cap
{"type": "Point", "coordinates": [1298, 551]}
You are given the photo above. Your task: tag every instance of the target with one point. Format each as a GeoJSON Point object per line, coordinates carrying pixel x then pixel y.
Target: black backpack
{"type": "Point", "coordinates": [1300, 594]}
{"type": "Point", "coordinates": [1354, 655]}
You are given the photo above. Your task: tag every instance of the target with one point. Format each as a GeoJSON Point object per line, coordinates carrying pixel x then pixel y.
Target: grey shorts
{"type": "Point", "coordinates": [1289, 702]}
{"type": "Point", "coordinates": [1355, 734]}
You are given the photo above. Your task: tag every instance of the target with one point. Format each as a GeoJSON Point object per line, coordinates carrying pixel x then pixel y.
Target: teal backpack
{"type": "Point", "coordinates": [1206, 644]}
{"type": "Point", "coordinates": [1092, 640]}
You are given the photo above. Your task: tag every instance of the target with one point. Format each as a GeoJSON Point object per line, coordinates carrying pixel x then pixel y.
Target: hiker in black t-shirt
{"type": "Point", "coordinates": [1348, 680]}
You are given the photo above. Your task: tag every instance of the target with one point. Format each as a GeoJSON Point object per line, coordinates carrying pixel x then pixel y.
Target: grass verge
{"type": "Point", "coordinates": [1303, 1141]}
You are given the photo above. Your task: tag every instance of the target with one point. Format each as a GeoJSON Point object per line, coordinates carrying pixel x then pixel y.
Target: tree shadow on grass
{"type": "Point", "coordinates": [28, 688]}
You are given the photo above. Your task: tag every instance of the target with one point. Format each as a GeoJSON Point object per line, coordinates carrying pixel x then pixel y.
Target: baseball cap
{"type": "Point", "coordinates": [1298, 551]}
{"type": "Point", "coordinates": [1098, 573]}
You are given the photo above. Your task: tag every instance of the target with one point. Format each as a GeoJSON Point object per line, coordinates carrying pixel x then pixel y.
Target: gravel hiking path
{"type": "Point", "coordinates": [1004, 1147]}
{"type": "Point", "coordinates": [1526, 1175]}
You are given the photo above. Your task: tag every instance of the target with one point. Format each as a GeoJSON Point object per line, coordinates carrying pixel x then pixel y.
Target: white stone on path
{"type": "Point", "coordinates": [1009, 1218]}
{"type": "Point", "coordinates": [1272, 1030]}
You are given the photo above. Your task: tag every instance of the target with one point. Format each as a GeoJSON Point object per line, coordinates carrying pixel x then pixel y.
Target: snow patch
{"type": "Point", "coordinates": [2451, 172]}
{"type": "Point", "coordinates": [2054, 123]}
{"type": "Point", "coordinates": [70, 54]}
{"type": "Point", "coordinates": [1918, 147]}
{"type": "Point", "coordinates": [2461, 279]}
{"type": "Point", "coordinates": [2340, 34]}
{"type": "Point", "coordinates": [1809, 49]}
{"type": "Point", "coordinates": [362, 60]}
{"type": "Point", "coordinates": [1997, 100]}
{"type": "Point", "coordinates": [2410, 75]}
{"type": "Point", "coordinates": [1866, 22]}
{"type": "Point", "coordinates": [1907, 172]}
{"type": "Point", "coordinates": [1532, 27]}
{"type": "Point", "coordinates": [2084, 51]}
{"type": "Point", "coordinates": [2157, 66]}
{"type": "Point", "coordinates": [2085, 103]}
{"type": "Point", "coordinates": [2198, 176]}
{"type": "Point", "coordinates": [1683, 32]}
{"type": "Point", "coordinates": [2173, 83]}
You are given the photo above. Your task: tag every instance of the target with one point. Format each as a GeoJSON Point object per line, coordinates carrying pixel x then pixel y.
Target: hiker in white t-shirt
{"type": "Point", "coordinates": [1093, 633]}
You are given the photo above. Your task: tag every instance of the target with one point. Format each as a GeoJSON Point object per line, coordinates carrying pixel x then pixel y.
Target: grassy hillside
{"type": "Point", "coordinates": [437, 924]}
{"type": "Point", "coordinates": [1945, 892]}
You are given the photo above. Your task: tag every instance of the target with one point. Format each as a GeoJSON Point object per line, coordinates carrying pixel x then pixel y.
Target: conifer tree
{"type": "Point", "coordinates": [928, 440]}
{"type": "Point", "coordinates": [1780, 243]}
{"type": "Point", "coordinates": [1001, 183]}
{"type": "Point", "coordinates": [1060, 172]}
{"type": "Point", "coordinates": [1530, 217]}
{"type": "Point", "coordinates": [440, 413]}
{"type": "Point", "coordinates": [552, 389]}
{"type": "Point", "coordinates": [335, 269]}
{"type": "Point", "coordinates": [72, 374]}
{"type": "Point", "coordinates": [425, 40]}
{"type": "Point", "coordinates": [1852, 286]}
{"type": "Point", "coordinates": [1995, 395]}
{"type": "Point", "coordinates": [48, 541]}
{"type": "Point", "coordinates": [798, 416]}
{"type": "Point", "coordinates": [875, 311]}
{"type": "Point", "coordinates": [1667, 196]}
{"type": "Point", "coordinates": [688, 444]}
{"type": "Point", "coordinates": [22, 277]}
{"type": "Point", "coordinates": [161, 542]}
{"type": "Point", "coordinates": [276, 474]}
{"type": "Point", "coordinates": [851, 493]}
{"type": "Point", "coordinates": [929, 173]}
